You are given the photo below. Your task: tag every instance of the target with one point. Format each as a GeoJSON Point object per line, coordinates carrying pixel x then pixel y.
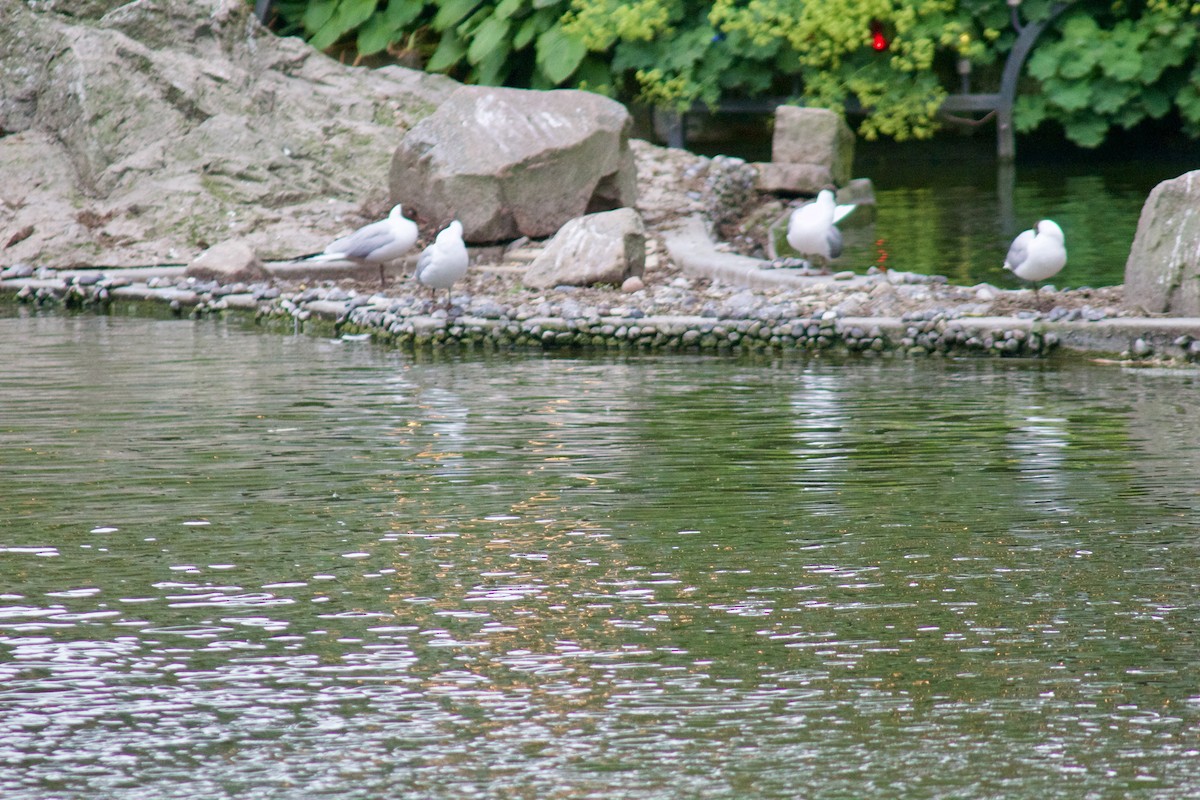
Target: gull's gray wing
{"type": "Point", "coordinates": [1019, 250]}
{"type": "Point", "coordinates": [363, 242]}
{"type": "Point", "coordinates": [834, 237]}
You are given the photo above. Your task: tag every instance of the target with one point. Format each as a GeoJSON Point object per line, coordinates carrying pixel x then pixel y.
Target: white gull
{"type": "Point", "coordinates": [377, 243]}
{"type": "Point", "coordinates": [445, 261]}
{"type": "Point", "coordinates": [812, 231]}
{"type": "Point", "coordinates": [1037, 254]}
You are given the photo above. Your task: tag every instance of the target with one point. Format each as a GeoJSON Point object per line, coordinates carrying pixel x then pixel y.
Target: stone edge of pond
{"type": "Point", "coordinates": [1143, 339]}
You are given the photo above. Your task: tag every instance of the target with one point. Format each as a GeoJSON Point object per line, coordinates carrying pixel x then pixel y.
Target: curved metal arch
{"type": "Point", "coordinates": [1026, 37]}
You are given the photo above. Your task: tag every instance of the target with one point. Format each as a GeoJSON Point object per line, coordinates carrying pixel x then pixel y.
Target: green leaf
{"type": "Point", "coordinates": [558, 54]}
{"type": "Point", "coordinates": [1086, 131]}
{"type": "Point", "coordinates": [547, 3]}
{"type": "Point", "coordinates": [595, 76]}
{"type": "Point", "coordinates": [1188, 99]}
{"type": "Point", "coordinates": [452, 13]}
{"type": "Point", "coordinates": [1156, 101]}
{"type": "Point", "coordinates": [1073, 96]}
{"type": "Point", "coordinates": [348, 16]}
{"type": "Point", "coordinates": [1029, 111]}
{"type": "Point", "coordinates": [1122, 64]}
{"type": "Point", "coordinates": [505, 9]}
{"type": "Point", "coordinates": [1043, 63]}
{"type": "Point", "coordinates": [487, 39]}
{"type": "Point", "coordinates": [531, 28]}
{"type": "Point", "coordinates": [1078, 63]}
{"type": "Point", "coordinates": [1109, 96]}
{"type": "Point", "coordinates": [401, 13]}
{"type": "Point", "coordinates": [375, 34]}
{"type": "Point", "coordinates": [449, 52]}
{"type": "Point", "coordinates": [494, 68]}
{"type": "Point", "coordinates": [1081, 31]}
{"type": "Point", "coordinates": [317, 14]}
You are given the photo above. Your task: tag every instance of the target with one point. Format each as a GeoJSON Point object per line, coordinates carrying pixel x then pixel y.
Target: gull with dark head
{"type": "Point", "coordinates": [377, 243]}
{"type": "Point", "coordinates": [1037, 254]}
{"type": "Point", "coordinates": [445, 261]}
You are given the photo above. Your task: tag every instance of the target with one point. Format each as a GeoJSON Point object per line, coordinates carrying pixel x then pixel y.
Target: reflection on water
{"type": "Point", "coordinates": [956, 215]}
{"type": "Point", "coordinates": [248, 566]}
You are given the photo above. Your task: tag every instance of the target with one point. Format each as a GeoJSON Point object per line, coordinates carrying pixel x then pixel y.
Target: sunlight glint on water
{"type": "Point", "coordinates": [243, 565]}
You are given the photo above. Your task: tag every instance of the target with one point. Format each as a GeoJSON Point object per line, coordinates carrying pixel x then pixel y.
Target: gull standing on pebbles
{"type": "Point", "coordinates": [1037, 254]}
{"type": "Point", "coordinates": [377, 243]}
{"type": "Point", "coordinates": [444, 261]}
{"type": "Point", "coordinates": [811, 230]}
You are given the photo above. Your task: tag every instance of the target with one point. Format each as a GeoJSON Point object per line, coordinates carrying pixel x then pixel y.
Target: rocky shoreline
{"type": "Point", "coordinates": [681, 307]}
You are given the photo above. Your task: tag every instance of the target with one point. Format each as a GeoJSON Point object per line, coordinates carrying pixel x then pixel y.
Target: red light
{"type": "Point", "coordinates": [879, 42]}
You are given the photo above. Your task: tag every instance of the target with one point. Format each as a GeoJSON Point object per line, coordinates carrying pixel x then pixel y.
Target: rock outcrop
{"type": "Point", "coordinates": [166, 126]}
{"type": "Point", "coordinates": [1162, 275]}
{"type": "Point", "coordinates": [603, 248]}
{"type": "Point", "coordinates": [511, 162]}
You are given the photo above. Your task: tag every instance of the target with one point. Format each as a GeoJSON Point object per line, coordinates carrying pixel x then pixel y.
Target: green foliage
{"type": "Point", "coordinates": [1104, 63]}
{"type": "Point", "coordinates": [1110, 66]}
{"type": "Point", "coordinates": [516, 42]}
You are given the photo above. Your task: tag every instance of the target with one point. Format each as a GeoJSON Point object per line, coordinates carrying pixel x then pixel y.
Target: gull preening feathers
{"type": "Point", "coordinates": [445, 261]}
{"type": "Point", "coordinates": [812, 231]}
{"type": "Point", "coordinates": [1037, 254]}
{"type": "Point", "coordinates": [377, 243]}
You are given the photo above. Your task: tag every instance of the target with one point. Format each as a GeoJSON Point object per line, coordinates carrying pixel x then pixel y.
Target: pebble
{"type": "Point", "coordinates": [17, 271]}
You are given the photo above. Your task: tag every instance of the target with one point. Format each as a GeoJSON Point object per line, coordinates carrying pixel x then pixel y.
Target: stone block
{"type": "Point", "coordinates": [814, 136]}
{"type": "Point", "coordinates": [806, 179]}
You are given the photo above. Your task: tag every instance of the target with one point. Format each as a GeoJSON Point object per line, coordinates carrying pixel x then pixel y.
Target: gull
{"type": "Point", "coordinates": [444, 261]}
{"type": "Point", "coordinates": [1037, 254]}
{"type": "Point", "coordinates": [377, 243]}
{"type": "Point", "coordinates": [811, 230]}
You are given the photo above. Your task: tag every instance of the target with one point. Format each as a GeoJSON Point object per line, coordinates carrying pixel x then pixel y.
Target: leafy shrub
{"type": "Point", "coordinates": [1104, 63]}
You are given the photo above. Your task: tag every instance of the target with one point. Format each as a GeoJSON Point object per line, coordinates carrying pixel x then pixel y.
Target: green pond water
{"type": "Point", "coordinates": [238, 565]}
{"type": "Point", "coordinates": [948, 209]}
{"type": "Point", "coordinates": [945, 207]}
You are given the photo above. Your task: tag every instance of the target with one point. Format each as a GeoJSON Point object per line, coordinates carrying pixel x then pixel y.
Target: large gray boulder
{"type": "Point", "coordinates": [511, 163]}
{"type": "Point", "coordinates": [608, 247]}
{"type": "Point", "coordinates": [1162, 275]}
{"type": "Point", "coordinates": [163, 127]}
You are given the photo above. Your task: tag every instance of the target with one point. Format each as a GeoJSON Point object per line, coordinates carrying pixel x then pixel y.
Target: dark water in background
{"type": "Point", "coordinates": [253, 566]}
{"type": "Point", "coordinates": [945, 207]}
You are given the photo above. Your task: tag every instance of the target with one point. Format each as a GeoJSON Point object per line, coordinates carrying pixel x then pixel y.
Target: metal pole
{"type": "Point", "coordinates": [1006, 148]}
